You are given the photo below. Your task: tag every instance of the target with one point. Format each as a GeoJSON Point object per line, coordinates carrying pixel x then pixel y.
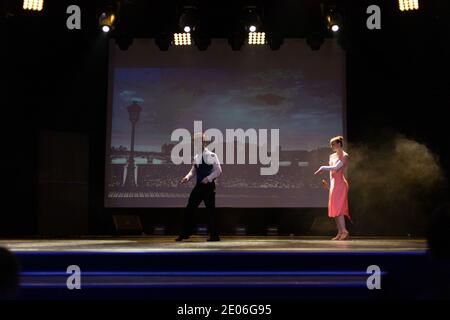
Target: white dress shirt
{"type": "Point", "coordinates": [210, 158]}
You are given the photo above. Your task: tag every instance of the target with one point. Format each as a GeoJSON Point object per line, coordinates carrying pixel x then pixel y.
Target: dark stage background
{"type": "Point", "coordinates": [55, 116]}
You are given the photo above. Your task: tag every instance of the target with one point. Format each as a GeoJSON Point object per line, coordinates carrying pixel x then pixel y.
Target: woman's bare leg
{"type": "Point", "coordinates": [339, 229]}
{"type": "Point", "coordinates": [343, 229]}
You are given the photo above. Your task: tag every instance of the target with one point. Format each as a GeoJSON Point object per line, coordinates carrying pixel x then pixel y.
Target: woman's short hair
{"type": "Point", "coordinates": [339, 139]}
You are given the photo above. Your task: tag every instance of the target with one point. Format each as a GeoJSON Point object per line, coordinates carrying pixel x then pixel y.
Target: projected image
{"type": "Point", "coordinates": [152, 93]}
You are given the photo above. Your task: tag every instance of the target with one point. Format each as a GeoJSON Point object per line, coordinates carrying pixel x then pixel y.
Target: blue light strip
{"type": "Point", "coordinates": [190, 285]}
{"type": "Point", "coordinates": [201, 273]}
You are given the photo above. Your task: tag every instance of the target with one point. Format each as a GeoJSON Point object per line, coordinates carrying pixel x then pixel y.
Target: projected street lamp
{"type": "Point", "coordinates": [133, 110]}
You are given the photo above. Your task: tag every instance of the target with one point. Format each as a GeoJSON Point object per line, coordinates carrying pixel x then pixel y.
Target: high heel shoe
{"type": "Point", "coordinates": [344, 236]}
{"type": "Point", "coordinates": [337, 237]}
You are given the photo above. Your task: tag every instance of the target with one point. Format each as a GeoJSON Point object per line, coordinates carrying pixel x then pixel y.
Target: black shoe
{"type": "Point", "coordinates": [215, 238]}
{"type": "Point", "coordinates": [181, 238]}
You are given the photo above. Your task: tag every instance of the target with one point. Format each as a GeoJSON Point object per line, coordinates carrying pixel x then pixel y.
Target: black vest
{"type": "Point", "coordinates": [203, 170]}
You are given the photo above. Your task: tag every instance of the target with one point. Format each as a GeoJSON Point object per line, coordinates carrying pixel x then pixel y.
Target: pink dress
{"type": "Point", "coordinates": [338, 198]}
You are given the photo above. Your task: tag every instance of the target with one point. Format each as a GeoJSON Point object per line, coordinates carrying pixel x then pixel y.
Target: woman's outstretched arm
{"type": "Point", "coordinates": [337, 166]}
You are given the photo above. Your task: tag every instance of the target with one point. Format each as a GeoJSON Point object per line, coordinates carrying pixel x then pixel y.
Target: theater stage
{"type": "Point", "coordinates": [236, 267]}
{"type": "Point", "coordinates": [198, 243]}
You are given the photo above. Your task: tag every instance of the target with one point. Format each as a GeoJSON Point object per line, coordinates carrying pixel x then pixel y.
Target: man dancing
{"type": "Point", "coordinates": [207, 168]}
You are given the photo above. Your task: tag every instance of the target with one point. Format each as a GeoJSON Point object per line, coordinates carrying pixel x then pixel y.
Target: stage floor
{"type": "Point", "coordinates": [157, 267]}
{"type": "Point", "coordinates": [198, 243]}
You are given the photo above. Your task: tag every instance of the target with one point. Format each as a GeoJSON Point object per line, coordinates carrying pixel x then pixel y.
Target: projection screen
{"type": "Point", "coordinates": [294, 91]}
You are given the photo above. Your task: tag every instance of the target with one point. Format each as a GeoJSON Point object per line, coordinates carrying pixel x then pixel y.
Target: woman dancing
{"type": "Point", "coordinates": [338, 197]}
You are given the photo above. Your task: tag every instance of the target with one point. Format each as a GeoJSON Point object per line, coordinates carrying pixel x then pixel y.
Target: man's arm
{"type": "Point", "coordinates": [190, 174]}
{"type": "Point", "coordinates": [217, 169]}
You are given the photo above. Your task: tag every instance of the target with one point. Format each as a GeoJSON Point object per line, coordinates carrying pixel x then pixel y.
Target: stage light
{"type": "Point", "coordinates": [124, 41]}
{"type": "Point", "coordinates": [240, 230]}
{"type": "Point", "coordinates": [251, 19]}
{"type": "Point", "coordinates": [107, 21]}
{"type": "Point", "coordinates": [35, 5]}
{"type": "Point", "coordinates": [182, 39]}
{"type": "Point", "coordinates": [315, 40]}
{"type": "Point", "coordinates": [188, 19]}
{"type": "Point", "coordinates": [244, 29]}
{"type": "Point", "coordinates": [274, 40]}
{"type": "Point", "coordinates": [202, 41]}
{"type": "Point", "coordinates": [256, 38]}
{"type": "Point", "coordinates": [272, 230]}
{"type": "Point", "coordinates": [236, 40]}
{"type": "Point", "coordinates": [406, 5]}
{"type": "Point", "coordinates": [163, 41]}
{"type": "Point", "coordinates": [334, 20]}
{"type": "Point", "coordinates": [159, 230]}
{"type": "Point", "coordinates": [188, 23]}
{"type": "Point", "coordinates": [252, 23]}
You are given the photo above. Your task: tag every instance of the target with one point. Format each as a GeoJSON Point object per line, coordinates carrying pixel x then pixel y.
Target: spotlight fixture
{"type": "Point", "coordinates": [124, 41]}
{"type": "Point", "coordinates": [247, 28]}
{"type": "Point", "coordinates": [406, 5]}
{"type": "Point", "coordinates": [252, 25]}
{"type": "Point", "coordinates": [251, 19]}
{"type": "Point", "coordinates": [107, 21]}
{"type": "Point", "coordinates": [334, 20]}
{"type": "Point", "coordinates": [182, 39]}
{"type": "Point", "coordinates": [35, 5]}
{"type": "Point", "coordinates": [163, 41]}
{"type": "Point", "coordinates": [202, 40]}
{"type": "Point", "coordinates": [316, 25]}
{"type": "Point", "coordinates": [315, 40]}
{"type": "Point", "coordinates": [187, 23]}
{"type": "Point", "coordinates": [188, 19]}
{"type": "Point", "coordinates": [256, 38]}
{"type": "Point", "coordinates": [274, 40]}
{"type": "Point", "coordinates": [236, 40]}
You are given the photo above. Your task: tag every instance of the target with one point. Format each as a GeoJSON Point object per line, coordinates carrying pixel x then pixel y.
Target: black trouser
{"type": "Point", "coordinates": [207, 194]}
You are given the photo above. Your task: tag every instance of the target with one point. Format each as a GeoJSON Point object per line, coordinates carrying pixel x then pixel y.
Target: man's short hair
{"type": "Point", "coordinates": [200, 135]}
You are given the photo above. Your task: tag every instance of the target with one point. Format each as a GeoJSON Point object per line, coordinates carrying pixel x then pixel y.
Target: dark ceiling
{"type": "Point", "coordinates": [290, 18]}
